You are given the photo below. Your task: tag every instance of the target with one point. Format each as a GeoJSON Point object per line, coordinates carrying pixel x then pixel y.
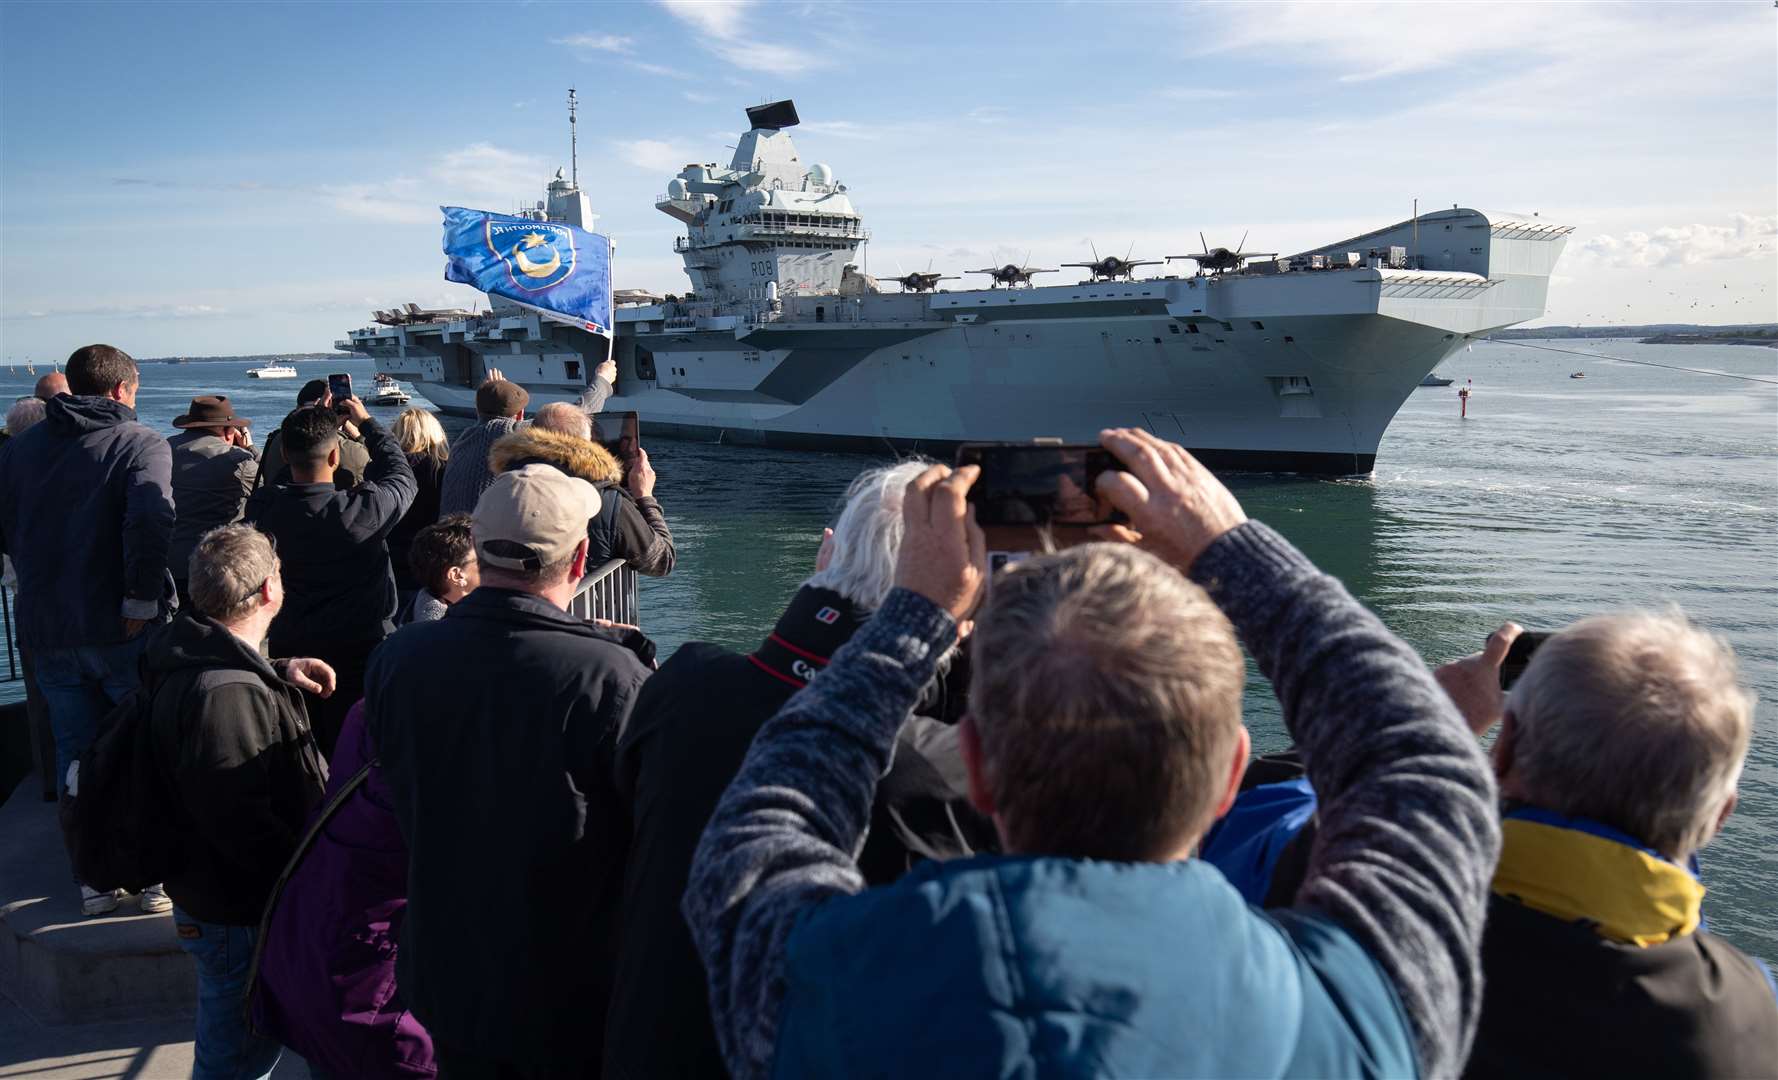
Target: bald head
{"type": "Point", "coordinates": [50, 385]}
{"type": "Point", "coordinates": [564, 419]}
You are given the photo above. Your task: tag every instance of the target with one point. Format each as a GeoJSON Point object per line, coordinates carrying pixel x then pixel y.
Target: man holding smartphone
{"type": "Point", "coordinates": [340, 597]}
{"type": "Point", "coordinates": [1104, 736]}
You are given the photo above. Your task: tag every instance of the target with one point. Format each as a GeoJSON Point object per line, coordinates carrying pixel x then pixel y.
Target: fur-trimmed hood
{"type": "Point", "coordinates": [576, 457]}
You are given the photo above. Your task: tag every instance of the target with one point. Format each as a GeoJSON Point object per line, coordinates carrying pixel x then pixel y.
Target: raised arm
{"type": "Point", "coordinates": [593, 398]}
{"type": "Point", "coordinates": [388, 489]}
{"type": "Point", "coordinates": [1408, 834]}
{"type": "Point", "coordinates": [786, 833]}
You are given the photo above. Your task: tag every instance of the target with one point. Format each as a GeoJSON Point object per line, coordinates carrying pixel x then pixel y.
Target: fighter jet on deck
{"type": "Point", "coordinates": [1221, 260]}
{"type": "Point", "coordinates": [1110, 268]}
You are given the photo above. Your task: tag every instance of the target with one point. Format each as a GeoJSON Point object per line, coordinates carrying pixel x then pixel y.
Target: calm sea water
{"type": "Point", "coordinates": [1556, 498]}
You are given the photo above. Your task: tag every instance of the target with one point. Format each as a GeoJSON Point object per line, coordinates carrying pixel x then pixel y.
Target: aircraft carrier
{"type": "Point", "coordinates": [1261, 363]}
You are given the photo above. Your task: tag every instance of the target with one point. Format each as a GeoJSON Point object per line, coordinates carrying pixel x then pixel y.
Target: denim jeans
{"type": "Point", "coordinates": [80, 684]}
{"type": "Point", "coordinates": [226, 1049]}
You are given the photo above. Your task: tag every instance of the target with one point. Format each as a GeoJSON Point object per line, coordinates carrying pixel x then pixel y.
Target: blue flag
{"type": "Point", "coordinates": [541, 264]}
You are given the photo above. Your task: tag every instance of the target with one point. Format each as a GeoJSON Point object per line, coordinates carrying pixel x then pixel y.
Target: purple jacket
{"type": "Point", "coordinates": [327, 970]}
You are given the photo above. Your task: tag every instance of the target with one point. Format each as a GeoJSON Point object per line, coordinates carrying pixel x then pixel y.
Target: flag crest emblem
{"type": "Point", "coordinates": [538, 255]}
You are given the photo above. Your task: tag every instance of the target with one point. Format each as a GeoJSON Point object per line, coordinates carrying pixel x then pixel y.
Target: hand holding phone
{"type": "Point", "coordinates": [1518, 656]}
{"type": "Point", "coordinates": [1473, 683]}
{"type": "Point", "coordinates": [339, 388]}
{"type": "Point", "coordinates": [1039, 483]}
{"type": "Point", "coordinates": [1177, 505]}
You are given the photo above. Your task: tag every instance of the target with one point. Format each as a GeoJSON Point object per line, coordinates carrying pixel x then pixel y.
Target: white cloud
{"type": "Point", "coordinates": [701, 99]}
{"type": "Point", "coordinates": [718, 27]}
{"type": "Point", "coordinates": [718, 18]}
{"type": "Point", "coordinates": [651, 154]}
{"type": "Point", "coordinates": [839, 129]}
{"type": "Point", "coordinates": [611, 43]}
{"type": "Point", "coordinates": [1198, 93]}
{"type": "Point", "coordinates": [1749, 237]}
{"type": "Point", "coordinates": [656, 69]}
{"type": "Point", "coordinates": [479, 174]}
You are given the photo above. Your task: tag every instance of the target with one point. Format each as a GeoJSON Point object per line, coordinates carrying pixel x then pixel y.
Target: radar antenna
{"type": "Point", "coordinates": [573, 142]}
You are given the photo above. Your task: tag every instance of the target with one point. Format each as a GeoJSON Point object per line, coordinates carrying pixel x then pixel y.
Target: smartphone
{"type": "Point", "coordinates": [340, 386]}
{"type": "Point", "coordinates": [1519, 655]}
{"type": "Point", "coordinates": [620, 432]}
{"type": "Point", "coordinates": [1039, 483]}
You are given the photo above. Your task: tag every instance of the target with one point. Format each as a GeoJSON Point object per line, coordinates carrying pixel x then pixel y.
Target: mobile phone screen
{"type": "Point", "coordinates": [1519, 656]}
{"type": "Point", "coordinates": [1038, 484]}
{"type": "Point", "coordinates": [340, 386]}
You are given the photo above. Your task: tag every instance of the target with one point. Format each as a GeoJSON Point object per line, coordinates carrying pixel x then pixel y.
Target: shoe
{"type": "Point", "coordinates": [154, 900]}
{"type": "Point", "coordinates": [94, 902]}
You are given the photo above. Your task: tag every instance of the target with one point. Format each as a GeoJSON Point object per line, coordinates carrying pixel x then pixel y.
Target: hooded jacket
{"type": "Point", "coordinates": [628, 528]}
{"type": "Point", "coordinates": [242, 767]}
{"type": "Point", "coordinates": [86, 512]}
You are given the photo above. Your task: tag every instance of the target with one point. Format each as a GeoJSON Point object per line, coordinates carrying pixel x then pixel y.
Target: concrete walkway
{"type": "Point", "coordinates": [85, 997]}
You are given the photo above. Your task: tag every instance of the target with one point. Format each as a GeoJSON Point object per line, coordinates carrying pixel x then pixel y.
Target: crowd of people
{"type": "Point", "coordinates": [940, 822]}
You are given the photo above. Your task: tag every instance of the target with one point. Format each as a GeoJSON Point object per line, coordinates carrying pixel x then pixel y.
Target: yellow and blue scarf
{"type": "Point", "coordinates": [1585, 872]}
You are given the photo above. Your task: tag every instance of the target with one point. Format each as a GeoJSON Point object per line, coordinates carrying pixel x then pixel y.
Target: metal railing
{"type": "Point", "coordinates": [13, 673]}
{"type": "Point", "coordinates": [610, 593]}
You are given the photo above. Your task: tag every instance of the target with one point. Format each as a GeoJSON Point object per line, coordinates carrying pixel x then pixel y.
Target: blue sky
{"type": "Point", "coordinates": [218, 178]}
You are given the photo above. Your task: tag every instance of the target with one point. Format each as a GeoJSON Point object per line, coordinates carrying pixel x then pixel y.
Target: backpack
{"type": "Point", "coordinates": [116, 813]}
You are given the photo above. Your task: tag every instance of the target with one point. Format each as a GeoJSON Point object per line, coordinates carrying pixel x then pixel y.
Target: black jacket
{"type": "Point", "coordinates": [337, 582]}
{"type": "Point", "coordinates": [242, 767]}
{"type": "Point", "coordinates": [86, 512]}
{"type": "Point", "coordinates": [495, 727]}
{"type": "Point", "coordinates": [1562, 1001]}
{"type": "Point", "coordinates": [428, 475]}
{"type": "Point", "coordinates": [628, 528]}
{"type": "Point", "coordinates": [691, 728]}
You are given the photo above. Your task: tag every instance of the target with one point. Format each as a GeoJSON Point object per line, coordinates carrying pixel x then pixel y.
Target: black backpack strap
{"type": "Point", "coordinates": [328, 809]}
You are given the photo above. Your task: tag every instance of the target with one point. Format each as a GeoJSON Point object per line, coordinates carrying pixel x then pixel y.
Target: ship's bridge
{"type": "Point", "coordinates": [767, 226]}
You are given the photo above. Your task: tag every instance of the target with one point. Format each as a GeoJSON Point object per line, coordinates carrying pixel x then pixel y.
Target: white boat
{"type": "Point", "coordinates": [273, 371]}
{"type": "Point", "coordinates": [387, 392]}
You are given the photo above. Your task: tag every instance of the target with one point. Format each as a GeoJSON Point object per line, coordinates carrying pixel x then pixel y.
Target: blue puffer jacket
{"type": "Point", "coordinates": [86, 512]}
{"type": "Point", "coordinates": [1038, 967]}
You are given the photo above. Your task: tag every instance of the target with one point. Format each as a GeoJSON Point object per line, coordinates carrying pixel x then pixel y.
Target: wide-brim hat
{"type": "Point", "coordinates": [211, 410]}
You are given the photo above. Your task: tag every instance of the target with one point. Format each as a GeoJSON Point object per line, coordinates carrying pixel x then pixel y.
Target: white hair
{"type": "Point", "coordinates": [563, 419]}
{"type": "Point", "coordinates": [1637, 720]}
{"type": "Point", "coordinates": [24, 413]}
{"type": "Point", "coordinates": [867, 537]}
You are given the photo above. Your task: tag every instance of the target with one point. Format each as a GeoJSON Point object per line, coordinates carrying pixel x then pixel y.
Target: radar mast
{"type": "Point", "coordinates": [573, 142]}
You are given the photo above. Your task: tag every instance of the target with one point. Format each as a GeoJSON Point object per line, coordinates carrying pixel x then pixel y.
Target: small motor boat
{"type": "Point", "coordinates": [1578, 375]}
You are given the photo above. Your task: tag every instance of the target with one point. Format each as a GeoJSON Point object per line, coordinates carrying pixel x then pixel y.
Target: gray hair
{"type": "Point", "coordinates": [24, 413]}
{"type": "Point", "coordinates": [564, 419]}
{"type": "Point", "coordinates": [227, 568]}
{"type": "Point", "coordinates": [1106, 690]}
{"type": "Point", "coordinates": [1636, 720]}
{"type": "Point", "coordinates": [867, 537]}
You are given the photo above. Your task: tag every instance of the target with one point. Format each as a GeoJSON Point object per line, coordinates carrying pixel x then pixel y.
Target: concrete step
{"type": "Point", "coordinates": [61, 967]}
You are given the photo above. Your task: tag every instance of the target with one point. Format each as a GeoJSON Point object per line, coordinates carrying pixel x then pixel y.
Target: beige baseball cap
{"type": "Point", "coordinates": [532, 517]}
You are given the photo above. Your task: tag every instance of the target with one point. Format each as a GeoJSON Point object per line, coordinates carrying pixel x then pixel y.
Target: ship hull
{"type": "Point", "coordinates": [1298, 372]}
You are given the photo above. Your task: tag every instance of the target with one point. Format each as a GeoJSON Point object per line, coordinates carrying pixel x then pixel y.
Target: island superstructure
{"type": "Point", "coordinates": [1288, 364]}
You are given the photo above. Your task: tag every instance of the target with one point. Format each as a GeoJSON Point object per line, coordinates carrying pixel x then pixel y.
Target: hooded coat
{"type": "Point", "coordinates": [86, 512]}
{"type": "Point", "coordinates": [627, 528]}
{"type": "Point", "coordinates": [242, 766]}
